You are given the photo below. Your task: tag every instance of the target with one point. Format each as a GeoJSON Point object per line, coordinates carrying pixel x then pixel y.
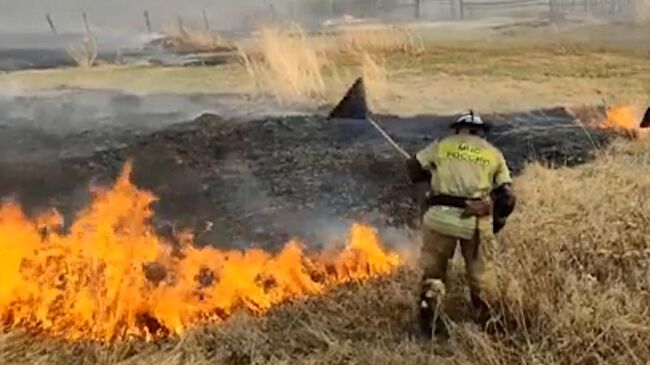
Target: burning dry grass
{"type": "Point", "coordinates": [625, 118]}
{"type": "Point", "coordinates": [573, 265]}
{"type": "Point", "coordinates": [84, 55]}
{"type": "Point", "coordinates": [111, 277]}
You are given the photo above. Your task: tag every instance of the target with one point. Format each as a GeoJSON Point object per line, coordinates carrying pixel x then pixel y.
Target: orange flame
{"type": "Point", "coordinates": [622, 117]}
{"type": "Point", "coordinates": [111, 277]}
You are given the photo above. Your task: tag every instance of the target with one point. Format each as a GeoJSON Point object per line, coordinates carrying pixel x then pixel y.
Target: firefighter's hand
{"type": "Point", "coordinates": [478, 208]}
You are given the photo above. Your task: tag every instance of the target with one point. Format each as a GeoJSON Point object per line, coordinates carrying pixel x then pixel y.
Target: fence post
{"type": "Point", "coordinates": [86, 22]}
{"type": "Point", "coordinates": [51, 23]}
{"type": "Point", "coordinates": [461, 9]}
{"type": "Point", "coordinates": [181, 29]}
{"type": "Point", "coordinates": [147, 21]}
{"type": "Point", "coordinates": [206, 23]}
{"type": "Point", "coordinates": [418, 15]}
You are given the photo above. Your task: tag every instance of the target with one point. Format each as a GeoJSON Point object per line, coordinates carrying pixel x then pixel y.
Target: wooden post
{"type": "Point", "coordinates": [417, 9]}
{"type": "Point", "coordinates": [551, 9]}
{"type": "Point", "coordinates": [331, 7]}
{"type": "Point", "coordinates": [206, 23]}
{"type": "Point", "coordinates": [461, 9]}
{"type": "Point", "coordinates": [147, 21]}
{"type": "Point", "coordinates": [86, 22]}
{"type": "Point", "coordinates": [51, 23]}
{"type": "Point", "coordinates": [180, 24]}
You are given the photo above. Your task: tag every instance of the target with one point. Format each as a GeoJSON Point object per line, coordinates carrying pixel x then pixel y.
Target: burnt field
{"type": "Point", "coordinates": [261, 182]}
{"type": "Point", "coordinates": [241, 154]}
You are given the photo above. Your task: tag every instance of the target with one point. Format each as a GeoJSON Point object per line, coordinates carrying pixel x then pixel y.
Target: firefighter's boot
{"type": "Point", "coordinates": [431, 308]}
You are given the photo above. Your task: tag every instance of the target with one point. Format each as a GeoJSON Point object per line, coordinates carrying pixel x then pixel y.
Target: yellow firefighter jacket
{"type": "Point", "coordinates": [465, 166]}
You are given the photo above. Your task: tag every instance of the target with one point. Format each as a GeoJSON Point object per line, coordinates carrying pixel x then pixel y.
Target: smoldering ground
{"type": "Point", "coordinates": [238, 183]}
{"type": "Point", "coordinates": [74, 122]}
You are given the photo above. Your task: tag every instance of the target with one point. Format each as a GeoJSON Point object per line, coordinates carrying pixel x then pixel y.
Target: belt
{"type": "Point", "coordinates": [471, 206]}
{"type": "Point", "coordinates": [448, 200]}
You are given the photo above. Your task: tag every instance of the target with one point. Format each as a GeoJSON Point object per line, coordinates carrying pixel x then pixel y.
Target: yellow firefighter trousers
{"type": "Point", "coordinates": [438, 249]}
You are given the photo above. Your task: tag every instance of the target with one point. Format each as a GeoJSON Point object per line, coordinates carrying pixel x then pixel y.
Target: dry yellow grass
{"type": "Point", "coordinates": [84, 55]}
{"type": "Point", "coordinates": [296, 67]}
{"type": "Point", "coordinates": [375, 75]}
{"type": "Point", "coordinates": [573, 268]}
{"type": "Point", "coordinates": [286, 63]}
{"type": "Point", "coordinates": [389, 40]}
{"type": "Point", "coordinates": [195, 40]}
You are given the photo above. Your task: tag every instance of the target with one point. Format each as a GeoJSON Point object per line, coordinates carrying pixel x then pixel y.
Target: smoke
{"type": "Point", "coordinates": [80, 122]}
{"type": "Point", "coordinates": [117, 16]}
{"type": "Point", "coordinates": [322, 227]}
{"type": "Point", "coordinates": [319, 224]}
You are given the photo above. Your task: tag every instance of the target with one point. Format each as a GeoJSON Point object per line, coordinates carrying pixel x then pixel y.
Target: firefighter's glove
{"type": "Point", "coordinates": [416, 172]}
{"type": "Point", "coordinates": [498, 223]}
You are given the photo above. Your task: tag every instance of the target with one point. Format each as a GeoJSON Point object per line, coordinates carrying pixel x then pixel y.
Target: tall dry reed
{"type": "Point", "coordinates": [85, 54]}
{"type": "Point", "coordinates": [296, 67]}
{"type": "Point", "coordinates": [285, 62]}
{"type": "Point", "coordinates": [195, 40]}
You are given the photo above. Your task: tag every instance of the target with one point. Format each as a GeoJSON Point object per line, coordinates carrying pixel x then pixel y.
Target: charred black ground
{"type": "Point", "coordinates": [263, 181]}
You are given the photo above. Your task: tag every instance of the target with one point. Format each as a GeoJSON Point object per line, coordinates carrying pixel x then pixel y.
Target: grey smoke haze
{"type": "Point", "coordinates": [38, 125]}
{"type": "Point", "coordinates": [125, 15]}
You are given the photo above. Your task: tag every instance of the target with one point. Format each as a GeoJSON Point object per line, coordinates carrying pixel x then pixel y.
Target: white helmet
{"type": "Point", "coordinates": [470, 119]}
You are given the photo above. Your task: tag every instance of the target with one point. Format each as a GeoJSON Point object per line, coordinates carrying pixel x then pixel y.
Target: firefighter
{"type": "Point", "coordinates": [470, 185]}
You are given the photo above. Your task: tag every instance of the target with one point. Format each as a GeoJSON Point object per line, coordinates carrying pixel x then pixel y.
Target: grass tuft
{"type": "Point", "coordinates": [285, 62]}
{"type": "Point", "coordinates": [195, 40]}
{"type": "Point", "coordinates": [387, 41]}
{"type": "Point", "coordinates": [84, 55]}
